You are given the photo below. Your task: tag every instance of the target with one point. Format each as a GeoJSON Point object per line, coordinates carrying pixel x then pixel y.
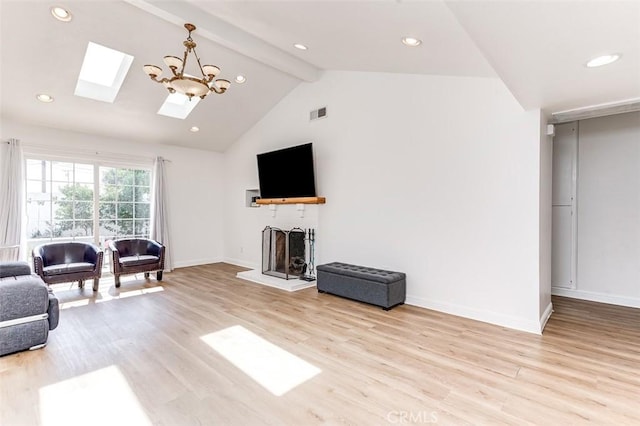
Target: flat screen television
{"type": "Point", "coordinates": [287, 173]}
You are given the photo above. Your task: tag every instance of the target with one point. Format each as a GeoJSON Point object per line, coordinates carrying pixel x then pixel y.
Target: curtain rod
{"type": "Point", "coordinates": [113, 156]}
{"type": "Point", "coordinates": [85, 153]}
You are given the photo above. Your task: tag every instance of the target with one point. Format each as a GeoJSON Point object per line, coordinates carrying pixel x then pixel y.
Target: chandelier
{"type": "Point", "coordinates": [186, 84]}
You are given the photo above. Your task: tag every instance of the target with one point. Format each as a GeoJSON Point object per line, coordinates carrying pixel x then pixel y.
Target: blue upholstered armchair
{"type": "Point", "coordinates": [28, 309]}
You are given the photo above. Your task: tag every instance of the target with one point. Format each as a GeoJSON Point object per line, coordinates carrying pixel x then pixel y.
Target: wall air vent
{"type": "Point", "coordinates": [318, 113]}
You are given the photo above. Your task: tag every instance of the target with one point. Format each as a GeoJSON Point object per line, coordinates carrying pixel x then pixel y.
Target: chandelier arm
{"type": "Point", "coordinates": [204, 77]}
{"type": "Point", "coordinates": [184, 62]}
{"type": "Point", "coordinates": [215, 89]}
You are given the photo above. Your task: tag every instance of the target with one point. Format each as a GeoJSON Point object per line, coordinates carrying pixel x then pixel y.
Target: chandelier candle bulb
{"type": "Point", "coordinates": [173, 62]}
{"type": "Point", "coordinates": [185, 84]}
{"type": "Point", "coordinates": [211, 70]}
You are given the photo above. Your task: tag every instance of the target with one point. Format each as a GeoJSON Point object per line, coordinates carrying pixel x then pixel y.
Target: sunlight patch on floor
{"type": "Point", "coordinates": [106, 297]}
{"type": "Point", "coordinates": [102, 397]}
{"type": "Point", "coordinates": [73, 304]}
{"type": "Point", "coordinates": [271, 366]}
{"type": "Point", "coordinates": [76, 298]}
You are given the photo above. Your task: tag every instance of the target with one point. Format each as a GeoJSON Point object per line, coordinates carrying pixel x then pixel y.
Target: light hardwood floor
{"type": "Point", "coordinates": [135, 355]}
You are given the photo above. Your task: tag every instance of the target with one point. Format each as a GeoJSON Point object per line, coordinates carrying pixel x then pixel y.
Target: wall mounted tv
{"type": "Point", "coordinates": [287, 173]}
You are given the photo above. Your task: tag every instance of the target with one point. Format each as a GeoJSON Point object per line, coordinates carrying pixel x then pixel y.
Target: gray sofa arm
{"type": "Point", "coordinates": [53, 310]}
{"type": "Point", "coordinates": [23, 296]}
{"type": "Point", "coordinates": [12, 269]}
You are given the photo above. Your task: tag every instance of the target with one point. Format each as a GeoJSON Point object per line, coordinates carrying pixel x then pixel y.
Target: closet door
{"type": "Point", "coordinates": [609, 215]}
{"type": "Point", "coordinates": [565, 156]}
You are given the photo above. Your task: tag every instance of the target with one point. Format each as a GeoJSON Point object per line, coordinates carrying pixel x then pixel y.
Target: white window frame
{"type": "Point", "coordinates": [112, 162]}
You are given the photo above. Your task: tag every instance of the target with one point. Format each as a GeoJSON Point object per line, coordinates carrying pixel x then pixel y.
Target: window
{"type": "Point", "coordinates": [124, 203]}
{"type": "Point", "coordinates": [86, 202]}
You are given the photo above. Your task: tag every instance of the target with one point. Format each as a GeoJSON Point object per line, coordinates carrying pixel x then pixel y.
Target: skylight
{"type": "Point", "coordinates": [102, 73]}
{"type": "Point", "coordinates": [178, 105]}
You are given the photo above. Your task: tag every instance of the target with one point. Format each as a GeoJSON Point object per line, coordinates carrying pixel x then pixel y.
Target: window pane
{"type": "Point", "coordinates": [83, 192]}
{"type": "Point", "coordinates": [125, 228]}
{"type": "Point", "coordinates": [125, 177]}
{"type": "Point", "coordinates": [83, 210]}
{"type": "Point", "coordinates": [57, 189]}
{"type": "Point", "coordinates": [107, 211]}
{"type": "Point", "coordinates": [82, 228]}
{"type": "Point", "coordinates": [108, 175]}
{"type": "Point", "coordinates": [141, 211]}
{"type": "Point", "coordinates": [63, 210]}
{"type": "Point", "coordinates": [108, 229]}
{"type": "Point", "coordinates": [143, 194]}
{"type": "Point", "coordinates": [38, 187]}
{"type": "Point", "coordinates": [63, 228]}
{"type": "Point", "coordinates": [125, 210]}
{"type": "Point", "coordinates": [125, 193]}
{"type": "Point", "coordinates": [84, 173]}
{"type": "Point", "coordinates": [41, 229]}
{"type": "Point", "coordinates": [108, 193]}
{"type": "Point", "coordinates": [143, 177]}
{"type": "Point", "coordinates": [142, 227]}
{"type": "Point", "coordinates": [62, 172]}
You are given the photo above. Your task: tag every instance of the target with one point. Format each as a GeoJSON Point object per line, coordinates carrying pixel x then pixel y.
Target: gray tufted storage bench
{"type": "Point", "coordinates": [375, 286]}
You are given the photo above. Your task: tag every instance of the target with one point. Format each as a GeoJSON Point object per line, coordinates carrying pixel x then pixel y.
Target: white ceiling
{"type": "Point", "coordinates": [538, 48]}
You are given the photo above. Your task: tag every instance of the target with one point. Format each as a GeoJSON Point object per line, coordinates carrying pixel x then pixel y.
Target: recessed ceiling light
{"type": "Point", "coordinates": [61, 14]}
{"type": "Point", "coordinates": [43, 97]}
{"type": "Point", "coordinates": [241, 79]}
{"type": "Point", "coordinates": [603, 60]}
{"type": "Point", "coordinates": [194, 129]}
{"type": "Point", "coordinates": [300, 46]}
{"type": "Point", "coordinates": [411, 41]}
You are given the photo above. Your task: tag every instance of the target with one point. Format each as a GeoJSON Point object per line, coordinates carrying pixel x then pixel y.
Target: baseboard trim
{"type": "Point", "coordinates": [477, 315]}
{"type": "Point", "coordinates": [545, 316]}
{"type": "Point", "coordinates": [240, 262]}
{"type": "Point", "coordinates": [195, 262]}
{"type": "Point", "coordinates": [612, 299]}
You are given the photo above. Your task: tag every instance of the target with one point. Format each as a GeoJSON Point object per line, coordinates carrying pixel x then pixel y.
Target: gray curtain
{"type": "Point", "coordinates": [159, 211]}
{"type": "Point", "coordinates": [11, 202]}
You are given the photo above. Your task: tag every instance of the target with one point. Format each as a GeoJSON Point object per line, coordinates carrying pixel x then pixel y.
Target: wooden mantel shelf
{"type": "Point", "coordinates": [297, 200]}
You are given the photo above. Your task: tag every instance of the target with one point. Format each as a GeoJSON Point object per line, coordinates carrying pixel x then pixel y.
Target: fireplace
{"type": "Point", "coordinates": [283, 252]}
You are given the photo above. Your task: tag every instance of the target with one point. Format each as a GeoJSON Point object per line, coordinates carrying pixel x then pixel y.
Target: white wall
{"type": "Point", "coordinates": [194, 177]}
{"type": "Point", "coordinates": [438, 177]}
{"type": "Point", "coordinates": [609, 210]}
{"type": "Point", "coordinates": [546, 192]}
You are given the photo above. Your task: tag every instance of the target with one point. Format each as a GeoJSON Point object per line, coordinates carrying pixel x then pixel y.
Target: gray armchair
{"type": "Point", "coordinates": [28, 309]}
